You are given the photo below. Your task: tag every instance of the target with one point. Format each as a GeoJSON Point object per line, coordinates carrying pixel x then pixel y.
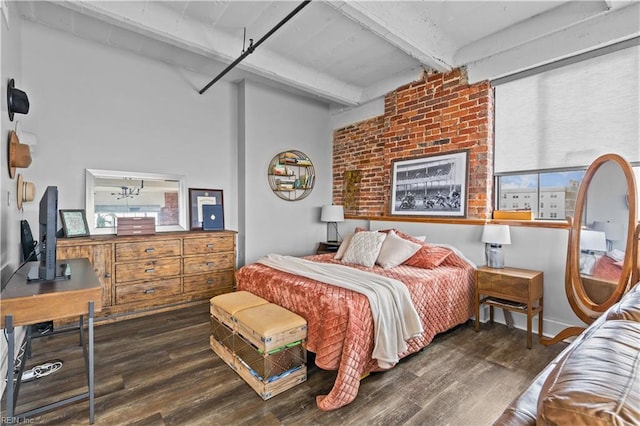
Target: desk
{"type": "Point", "coordinates": [23, 303]}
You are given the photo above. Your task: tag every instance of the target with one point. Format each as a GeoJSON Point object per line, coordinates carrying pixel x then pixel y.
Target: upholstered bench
{"type": "Point", "coordinates": [263, 342]}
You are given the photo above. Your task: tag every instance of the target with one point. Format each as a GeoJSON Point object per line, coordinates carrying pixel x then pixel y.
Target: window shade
{"type": "Point", "coordinates": [568, 116]}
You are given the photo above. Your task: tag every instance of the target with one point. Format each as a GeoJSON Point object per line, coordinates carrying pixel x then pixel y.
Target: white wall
{"type": "Point", "coordinates": [273, 121]}
{"type": "Point", "coordinates": [94, 106]}
{"type": "Point", "coordinates": [11, 67]}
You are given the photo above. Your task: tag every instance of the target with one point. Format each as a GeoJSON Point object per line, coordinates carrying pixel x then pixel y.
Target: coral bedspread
{"type": "Point", "coordinates": [339, 321]}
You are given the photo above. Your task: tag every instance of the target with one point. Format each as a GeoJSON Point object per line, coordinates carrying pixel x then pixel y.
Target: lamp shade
{"type": "Point", "coordinates": [593, 240]}
{"type": "Point", "coordinates": [332, 214]}
{"type": "Point", "coordinates": [496, 234]}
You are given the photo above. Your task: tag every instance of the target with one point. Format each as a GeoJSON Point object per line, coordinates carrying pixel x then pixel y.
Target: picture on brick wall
{"type": "Point", "coordinates": [430, 186]}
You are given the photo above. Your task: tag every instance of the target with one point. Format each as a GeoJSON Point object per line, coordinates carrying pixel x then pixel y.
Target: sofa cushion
{"type": "Point", "coordinates": [628, 308]}
{"type": "Point", "coordinates": [598, 381]}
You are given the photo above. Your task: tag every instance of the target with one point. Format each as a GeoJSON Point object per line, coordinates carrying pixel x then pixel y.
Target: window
{"type": "Point", "coordinates": [550, 124]}
{"type": "Point", "coordinates": [562, 186]}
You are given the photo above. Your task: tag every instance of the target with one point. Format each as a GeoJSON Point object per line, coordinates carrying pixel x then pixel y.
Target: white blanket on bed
{"type": "Point", "coordinates": [395, 317]}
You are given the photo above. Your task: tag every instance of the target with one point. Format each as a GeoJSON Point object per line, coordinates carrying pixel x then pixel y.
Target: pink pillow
{"type": "Point", "coordinates": [428, 257]}
{"type": "Point", "coordinates": [405, 236]}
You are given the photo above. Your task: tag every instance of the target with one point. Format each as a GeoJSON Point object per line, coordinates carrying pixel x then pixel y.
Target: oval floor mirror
{"type": "Point", "coordinates": [603, 239]}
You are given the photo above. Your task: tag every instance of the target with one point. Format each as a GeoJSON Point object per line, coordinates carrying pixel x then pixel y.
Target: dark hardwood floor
{"type": "Point", "coordinates": [159, 370]}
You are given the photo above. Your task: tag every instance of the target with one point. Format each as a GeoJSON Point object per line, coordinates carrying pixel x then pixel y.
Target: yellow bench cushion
{"type": "Point", "coordinates": [270, 326]}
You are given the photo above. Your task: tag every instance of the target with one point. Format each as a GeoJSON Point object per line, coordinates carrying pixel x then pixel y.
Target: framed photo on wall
{"type": "Point", "coordinates": [435, 185]}
{"type": "Point", "coordinates": [200, 197]}
{"type": "Point", "coordinates": [74, 223]}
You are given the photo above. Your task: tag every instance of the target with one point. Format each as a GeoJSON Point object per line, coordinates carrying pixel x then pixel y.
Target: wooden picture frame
{"type": "Point", "coordinates": [74, 223]}
{"type": "Point", "coordinates": [435, 185]}
{"type": "Point", "coordinates": [199, 197]}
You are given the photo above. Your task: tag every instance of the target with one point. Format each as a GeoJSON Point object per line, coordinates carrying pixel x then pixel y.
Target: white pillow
{"type": "Point", "coordinates": [343, 246]}
{"type": "Point", "coordinates": [396, 250]}
{"type": "Point", "coordinates": [364, 248]}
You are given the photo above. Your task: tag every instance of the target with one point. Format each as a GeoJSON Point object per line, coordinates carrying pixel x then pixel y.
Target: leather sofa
{"type": "Point", "coordinates": [594, 381]}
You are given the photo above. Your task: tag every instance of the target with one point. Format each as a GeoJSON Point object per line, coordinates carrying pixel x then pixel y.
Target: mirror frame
{"type": "Point", "coordinates": [92, 174]}
{"type": "Point", "coordinates": [585, 308]}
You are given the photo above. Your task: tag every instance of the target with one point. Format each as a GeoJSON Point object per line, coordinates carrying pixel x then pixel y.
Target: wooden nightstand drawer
{"type": "Point", "coordinates": [503, 284]}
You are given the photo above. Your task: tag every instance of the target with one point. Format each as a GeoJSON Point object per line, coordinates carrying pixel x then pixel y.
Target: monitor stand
{"type": "Point", "coordinates": [63, 273]}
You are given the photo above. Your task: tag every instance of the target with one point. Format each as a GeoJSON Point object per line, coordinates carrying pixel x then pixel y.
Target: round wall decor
{"type": "Point", "coordinates": [291, 175]}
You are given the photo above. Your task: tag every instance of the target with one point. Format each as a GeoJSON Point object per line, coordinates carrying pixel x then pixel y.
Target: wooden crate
{"type": "Point", "coordinates": [222, 334]}
{"type": "Point", "coordinates": [269, 326]}
{"type": "Point", "coordinates": [223, 352]}
{"type": "Point", "coordinates": [268, 365]}
{"type": "Point", "coordinates": [274, 386]}
{"type": "Point", "coordinates": [135, 226]}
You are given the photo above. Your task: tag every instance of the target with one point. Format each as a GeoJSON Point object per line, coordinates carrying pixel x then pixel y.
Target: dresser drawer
{"type": "Point", "coordinates": [147, 250]}
{"type": "Point", "coordinates": [208, 263]}
{"type": "Point", "coordinates": [209, 244]}
{"type": "Point", "coordinates": [147, 291]}
{"type": "Point", "coordinates": [208, 283]}
{"type": "Point", "coordinates": [147, 270]}
{"type": "Point", "coordinates": [503, 284]}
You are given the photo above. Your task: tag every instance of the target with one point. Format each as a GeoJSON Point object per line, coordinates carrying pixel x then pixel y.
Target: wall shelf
{"type": "Point", "coordinates": [291, 175]}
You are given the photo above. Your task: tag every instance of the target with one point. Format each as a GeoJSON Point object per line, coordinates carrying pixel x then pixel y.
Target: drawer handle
{"type": "Point", "coordinates": [150, 270]}
{"type": "Point", "coordinates": [136, 226]}
{"type": "Point", "coordinates": [211, 245]}
{"type": "Point", "coordinates": [211, 263]}
{"type": "Point", "coordinates": [149, 250]}
{"type": "Point", "coordinates": [209, 281]}
{"type": "Point", "coordinates": [107, 275]}
{"type": "Point", "coordinates": [150, 291]}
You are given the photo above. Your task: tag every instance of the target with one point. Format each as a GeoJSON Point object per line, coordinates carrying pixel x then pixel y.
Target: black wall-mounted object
{"type": "Point", "coordinates": [254, 46]}
{"type": "Point", "coordinates": [17, 100]}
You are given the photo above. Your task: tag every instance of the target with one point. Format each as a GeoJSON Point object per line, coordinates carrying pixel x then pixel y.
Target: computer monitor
{"type": "Point", "coordinates": [48, 226]}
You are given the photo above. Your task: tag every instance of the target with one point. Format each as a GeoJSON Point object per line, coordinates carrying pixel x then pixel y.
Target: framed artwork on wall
{"type": "Point", "coordinates": [435, 185]}
{"type": "Point", "coordinates": [198, 198]}
{"type": "Point", "coordinates": [74, 223]}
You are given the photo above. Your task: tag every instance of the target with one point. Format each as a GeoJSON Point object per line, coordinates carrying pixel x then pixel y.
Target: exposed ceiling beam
{"type": "Point", "coordinates": [539, 26]}
{"type": "Point", "coordinates": [620, 24]}
{"type": "Point", "coordinates": [397, 23]}
{"type": "Point", "coordinates": [153, 20]}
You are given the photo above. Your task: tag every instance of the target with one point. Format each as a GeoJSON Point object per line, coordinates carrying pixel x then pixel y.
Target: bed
{"type": "Point", "coordinates": [340, 323]}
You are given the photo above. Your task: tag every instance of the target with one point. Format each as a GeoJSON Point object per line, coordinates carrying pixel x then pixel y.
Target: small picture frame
{"type": "Point", "coordinates": [74, 223]}
{"type": "Point", "coordinates": [199, 197]}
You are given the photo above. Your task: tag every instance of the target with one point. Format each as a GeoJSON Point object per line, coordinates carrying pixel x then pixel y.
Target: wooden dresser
{"type": "Point", "coordinates": [146, 274]}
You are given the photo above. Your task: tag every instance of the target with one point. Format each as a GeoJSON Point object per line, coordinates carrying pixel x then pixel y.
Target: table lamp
{"type": "Point", "coordinates": [332, 215]}
{"type": "Point", "coordinates": [494, 236]}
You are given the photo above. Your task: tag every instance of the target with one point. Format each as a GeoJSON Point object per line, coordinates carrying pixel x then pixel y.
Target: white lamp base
{"type": "Point", "coordinates": [494, 256]}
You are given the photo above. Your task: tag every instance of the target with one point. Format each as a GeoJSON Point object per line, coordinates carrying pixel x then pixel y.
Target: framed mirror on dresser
{"type": "Point", "coordinates": [112, 193]}
{"type": "Point", "coordinates": [602, 256]}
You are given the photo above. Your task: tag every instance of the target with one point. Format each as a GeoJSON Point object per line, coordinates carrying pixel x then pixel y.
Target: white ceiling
{"type": "Point", "coordinates": [346, 52]}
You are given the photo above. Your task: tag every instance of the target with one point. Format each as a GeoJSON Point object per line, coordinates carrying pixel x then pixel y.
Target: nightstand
{"type": "Point", "coordinates": [513, 289]}
{"type": "Point", "coordinates": [330, 247]}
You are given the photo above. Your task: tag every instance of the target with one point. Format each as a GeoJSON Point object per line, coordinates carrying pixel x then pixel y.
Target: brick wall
{"type": "Point", "coordinates": [170, 213]}
{"type": "Point", "coordinates": [438, 114]}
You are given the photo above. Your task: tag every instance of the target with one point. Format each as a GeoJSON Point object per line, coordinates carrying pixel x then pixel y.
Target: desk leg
{"type": "Point", "coordinates": [81, 323]}
{"type": "Point", "coordinates": [91, 369]}
{"type": "Point", "coordinates": [11, 367]}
